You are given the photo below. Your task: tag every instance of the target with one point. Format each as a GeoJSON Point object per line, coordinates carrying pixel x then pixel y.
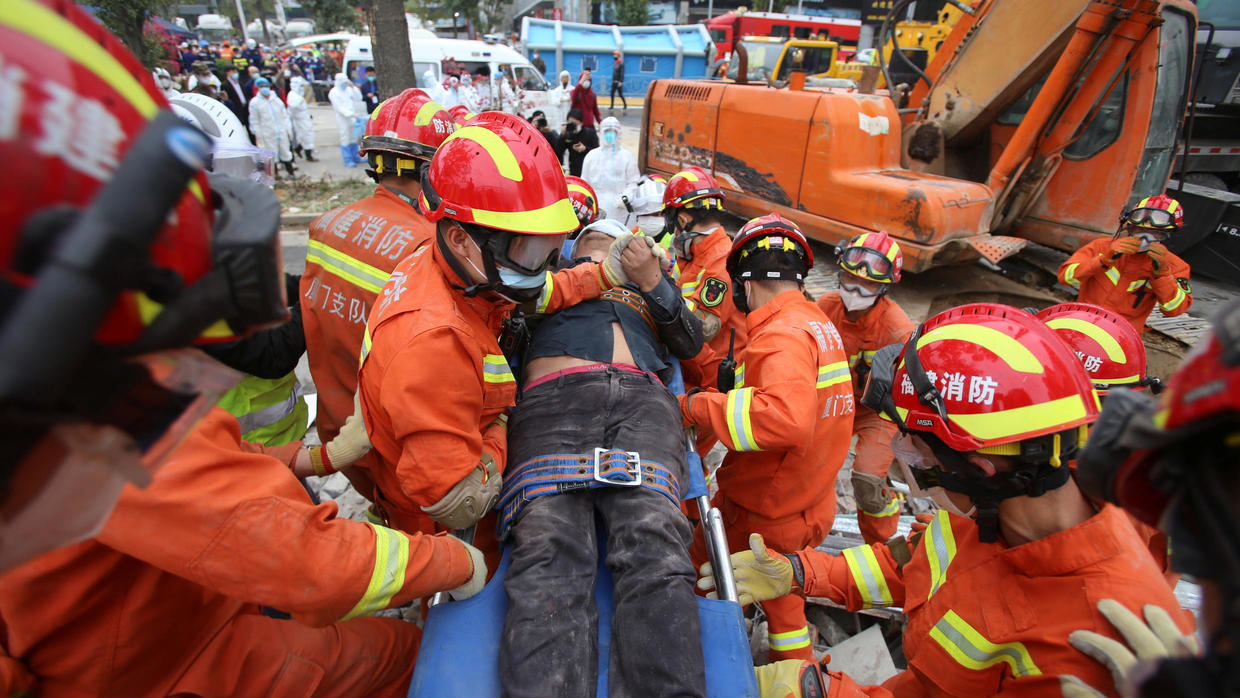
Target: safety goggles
{"type": "Point", "coordinates": [1157, 218]}
{"type": "Point", "coordinates": [533, 254]}
{"type": "Point", "coordinates": [850, 282]}
{"type": "Point", "coordinates": [867, 263]}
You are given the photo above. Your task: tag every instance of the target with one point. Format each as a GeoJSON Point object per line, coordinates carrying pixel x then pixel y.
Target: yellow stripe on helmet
{"type": "Point", "coordinates": [47, 26]}
{"type": "Point", "coordinates": [1113, 351]}
{"type": "Point", "coordinates": [573, 186]}
{"type": "Point", "coordinates": [495, 146]}
{"type": "Point", "coordinates": [1017, 357]}
{"type": "Point", "coordinates": [426, 114]}
{"type": "Point", "coordinates": [1055, 414]}
{"type": "Point", "coordinates": [1173, 206]}
{"type": "Point", "coordinates": [555, 219]}
{"type": "Point", "coordinates": [686, 175]}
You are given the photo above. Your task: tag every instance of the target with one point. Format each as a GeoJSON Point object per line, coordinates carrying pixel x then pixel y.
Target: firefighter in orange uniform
{"type": "Point", "coordinates": [992, 406]}
{"type": "Point", "coordinates": [585, 202]}
{"type": "Point", "coordinates": [867, 321]}
{"type": "Point", "coordinates": [692, 212]}
{"type": "Point", "coordinates": [160, 594]}
{"type": "Point", "coordinates": [787, 426]}
{"type": "Point", "coordinates": [353, 249]}
{"type": "Point", "coordinates": [1129, 274]}
{"type": "Point", "coordinates": [434, 385]}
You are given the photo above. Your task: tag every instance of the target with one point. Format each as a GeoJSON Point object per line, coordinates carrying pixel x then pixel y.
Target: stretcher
{"type": "Point", "coordinates": [459, 655]}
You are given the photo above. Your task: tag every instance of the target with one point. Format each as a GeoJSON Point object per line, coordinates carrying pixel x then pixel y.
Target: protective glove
{"type": "Point", "coordinates": [477, 575]}
{"type": "Point", "coordinates": [658, 250]}
{"type": "Point", "coordinates": [349, 445]}
{"type": "Point", "coordinates": [470, 499]}
{"type": "Point", "coordinates": [613, 272]}
{"type": "Point", "coordinates": [761, 573]}
{"type": "Point", "coordinates": [1158, 254]}
{"type": "Point", "coordinates": [792, 678]}
{"type": "Point", "coordinates": [1157, 638]}
{"type": "Point", "coordinates": [1122, 246]}
{"type": "Point", "coordinates": [921, 522]}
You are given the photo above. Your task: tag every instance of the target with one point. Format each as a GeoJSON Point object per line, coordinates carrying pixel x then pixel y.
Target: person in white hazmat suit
{"type": "Point", "coordinates": [430, 85]}
{"type": "Point", "coordinates": [347, 102]}
{"type": "Point", "coordinates": [468, 94]}
{"type": "Point", "coordinates": [563, 97]}
{"type": "Point", "coordinates": [299, 96]}
{"type": "Point", "coordinates": [270, 124]}
{"type": "Point", "coordinates": [642, 202]}
{"type": "Point", "coordinates": [451, 92]}
{"type": "Point", "coordinates": [609, 169]}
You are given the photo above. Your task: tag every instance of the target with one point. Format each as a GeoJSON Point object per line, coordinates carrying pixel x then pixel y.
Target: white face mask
{"type": "Point", "coordinates": [652, 226]}
{"type": "Point", "coordinates": [585, 84]}
{"type": "Point", "coordinates": [854, 301]}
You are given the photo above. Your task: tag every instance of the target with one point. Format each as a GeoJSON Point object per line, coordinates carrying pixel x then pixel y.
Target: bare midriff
{"type": "Point", "coordinates": [544, 365]}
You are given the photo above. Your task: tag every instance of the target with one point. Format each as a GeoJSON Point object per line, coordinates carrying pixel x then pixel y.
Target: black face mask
{"type": "Point", "coordinates": [739, 297]}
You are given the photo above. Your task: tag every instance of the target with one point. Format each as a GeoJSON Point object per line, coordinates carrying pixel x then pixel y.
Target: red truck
{"type": "Point", "coordinates": [726, 28]}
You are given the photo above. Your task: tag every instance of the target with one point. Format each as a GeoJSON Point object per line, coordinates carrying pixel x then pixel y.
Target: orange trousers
{"type": "Point", "coordinates": [878, 521]}
{"type": "Point", "coordinates": [259, 656]}
{"type": "Point", "coordinates": [785, 617]}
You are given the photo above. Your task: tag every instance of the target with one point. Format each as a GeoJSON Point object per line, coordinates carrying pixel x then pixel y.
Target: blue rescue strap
{"type": "Point", "coordinates": [569, 472]}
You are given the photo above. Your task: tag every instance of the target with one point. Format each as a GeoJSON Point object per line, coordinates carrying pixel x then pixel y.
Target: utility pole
{"type": "Point", "coordinates": [245, 34]}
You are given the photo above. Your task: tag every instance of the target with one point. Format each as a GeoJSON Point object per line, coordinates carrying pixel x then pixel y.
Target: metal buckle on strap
{"type": "Point", "coordinates": [634, 469]}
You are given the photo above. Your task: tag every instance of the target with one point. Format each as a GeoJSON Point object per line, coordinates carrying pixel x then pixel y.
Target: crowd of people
{"type": "Point", "coordinates": [491, 349]}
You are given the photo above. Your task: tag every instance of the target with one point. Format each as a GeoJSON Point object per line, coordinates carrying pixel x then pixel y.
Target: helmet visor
{"type": "Point", "coordinates": [868, 263]}
{"type": "Point", "coordinates": [1151, 218]}
{"type": "Point", "coordinates": [532, 254]}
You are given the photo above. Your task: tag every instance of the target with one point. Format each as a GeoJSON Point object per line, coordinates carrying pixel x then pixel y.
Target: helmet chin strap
{"type": "Point", "coordinates": [488, 263]}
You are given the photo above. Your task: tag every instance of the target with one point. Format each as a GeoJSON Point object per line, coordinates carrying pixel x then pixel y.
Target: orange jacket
{"type": "Point", "coordinates": [1127, 286]}
{"type": "Point", "coordinates": [788, 425]}
{"type": "Point", "coordinates": [885, 323]}
{"type": "Point", "coordinates": [217, 533]}
{"type": "Point", "coordinates": [707, 289]}
{"type": "Point", "coordinates": [987, 619]}
{"type": "Point", "coordinates": [352, 251]}
{"type": "Point", "coordinates": [434, 381]}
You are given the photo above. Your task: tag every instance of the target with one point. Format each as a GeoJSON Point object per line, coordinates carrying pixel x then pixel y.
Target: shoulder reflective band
{"type": "Point", "coordinates": [739, 426]}
{"type": "Point", "coordinates": [544, 298]}
{"type": "Point", "coordinates": [690, 287]}
{"type": "Point", "coordinates": [940, 545]}
{"type": "Point", "coordinates": [495, 369]}
{"type": "Point", "coordinates": [1069, 275]}
{"type": "Point", "coordinates": [391, 560]}
{"type": "Point", "coordinates": [1175, 300]}
{"type": "Point", "coordinates": [791, 640]}
{"type": "Point", "coordinates": [868, 576]}
{"type": "Point", "coordinates": [972, 651]}
{"type": "Point", "coordinates": [342, 265]}
{"type": "Point", "coordinates": [833, 374]}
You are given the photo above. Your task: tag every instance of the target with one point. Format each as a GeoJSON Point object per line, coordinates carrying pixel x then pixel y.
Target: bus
{"type": "Point", "coordinates": [727, 28]}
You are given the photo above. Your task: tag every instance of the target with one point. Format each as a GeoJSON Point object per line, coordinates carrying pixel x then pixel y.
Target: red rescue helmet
{"type": "Point", "coordinates": [1160, 212]}
{"type": "Point", "coordinates": [987, 376]}
{"type": "Point", "coordinates": [585, 201]}
{"type": "Point", "coordinates": [692, 187]}
{"type": "Point", "coordinates": [766, 249]}
{"type": "Point", "coordinates": [872, 256]}
{"type": "Point", "coordinates": [102, 289]}
{"type": "Point", "coordinates": [404, 131]}
{"type": "Point", "coordinates": [460, 114]}
{"type": "Point", "coordinates": [1107, 344]}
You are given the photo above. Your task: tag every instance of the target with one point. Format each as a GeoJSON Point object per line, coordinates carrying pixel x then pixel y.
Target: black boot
{"type": "Point", "coordinates": [310, 156]}
{"type": "Point", "coordinates": [297, 150]}
{"type": "Point", "coordinates": [288, 167]}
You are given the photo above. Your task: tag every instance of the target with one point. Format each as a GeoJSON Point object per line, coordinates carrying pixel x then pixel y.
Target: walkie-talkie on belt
{"type": "Point", "coordinates": [726, 378]}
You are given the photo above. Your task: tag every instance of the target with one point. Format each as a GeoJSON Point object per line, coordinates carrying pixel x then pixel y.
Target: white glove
{"type": "Point", "coordinates": [1157, 638]}
{"type": "Point", "coordinates": [477, 576]}
{"type": "Point", "coordinates": [658, 250]}
{"type": "Point", "coordinates": [612, 271]}
{"type": "Point", "coordinates": [352, 442]}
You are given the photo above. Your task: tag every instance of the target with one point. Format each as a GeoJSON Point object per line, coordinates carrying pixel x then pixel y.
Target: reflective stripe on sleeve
{"type": "Point", "coordinates": [1176, 300]}
{"type": "Point", "coordinates": [739, 426]}
{"type": "Point", "coordinates": [342, 265]}
{"type": "Point", "coordinates": [1113, 274]}
{"type": "Point", "coordinates": [967, 646]}
{"type": "Point", "coordinates": [388, 576]}
{"type": "Point", "coordinates": [1069, 275]}
{"type": "Point", "coordinates": [365, 347]}
{"type": "Point", "coordinates": [833, 374]}
{"type": "Point", "coordinates": [892, 508]}
{"type": "Point", "coordinates": [544, 298]}
{"type": "Point", "coordinates": [740, 376]}
{"type": "Point", "coordinates": [495, 369]}
{"type": "Point", "coordinates": [940, 545]}
{"type": "Point", "coordinates": [868, 576]}
{"type": "Point", "coordinates": [1134, 285]}
{"type": "Point", "coordinates": [791, 640]}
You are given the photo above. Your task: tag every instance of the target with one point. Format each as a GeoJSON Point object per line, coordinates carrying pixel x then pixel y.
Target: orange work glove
{"type": "Point", "coordinates": [1122, 246]}
{"type": "Point", "coordinates": [921, 522]}
{"type": "Point", "coordinates": [1158, 254]}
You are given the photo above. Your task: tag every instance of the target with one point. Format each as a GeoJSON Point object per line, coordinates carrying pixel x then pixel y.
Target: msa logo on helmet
{"type": "Point", "coordinates": [924, 422]}
{"type": "Point", "coordinates": [449, 211]}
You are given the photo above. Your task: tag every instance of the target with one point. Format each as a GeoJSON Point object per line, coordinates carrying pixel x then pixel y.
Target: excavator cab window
{"type": "Point", "coordinates": [1016, 113]}
{"type": "Point", "coordinates": [811, 60]}
{"type": "Point", "coordinates": [1174, 59]}
{"type": "Point", "coordinates": [1105, 126]}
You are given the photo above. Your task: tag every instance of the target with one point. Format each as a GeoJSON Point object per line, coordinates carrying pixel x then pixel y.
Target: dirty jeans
{"type": "Point", "coordinates": [549, 645]}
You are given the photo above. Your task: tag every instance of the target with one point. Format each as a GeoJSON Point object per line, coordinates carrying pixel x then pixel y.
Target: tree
{"type": "Point", "coordinates": [630, 12]}
{"type": "Point", "coordinates": [127, 18]}
{"type": "Point", "coordinates": [389, 34]}
{"type": "Point", "coordinates": [332, 15]}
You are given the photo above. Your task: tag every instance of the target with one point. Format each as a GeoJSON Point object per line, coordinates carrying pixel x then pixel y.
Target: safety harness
{"type": "Point", "coordinates": [569, 472]}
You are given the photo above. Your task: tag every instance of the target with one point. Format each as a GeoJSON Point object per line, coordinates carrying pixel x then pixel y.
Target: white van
{"type": "Point", "coordinates": [429, 54]}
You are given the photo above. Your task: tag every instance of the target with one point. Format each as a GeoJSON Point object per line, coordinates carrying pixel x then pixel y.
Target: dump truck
{"type": "Point", "coordinates": [1044, 121]}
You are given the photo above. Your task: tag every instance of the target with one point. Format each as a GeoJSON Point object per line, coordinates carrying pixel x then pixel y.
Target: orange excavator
{"type": "Point", "coordinates": [1033, 121]}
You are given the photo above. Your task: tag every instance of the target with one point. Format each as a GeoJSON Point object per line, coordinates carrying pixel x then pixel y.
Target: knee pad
{"type": "Point", "coordinates": [870, 491]}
